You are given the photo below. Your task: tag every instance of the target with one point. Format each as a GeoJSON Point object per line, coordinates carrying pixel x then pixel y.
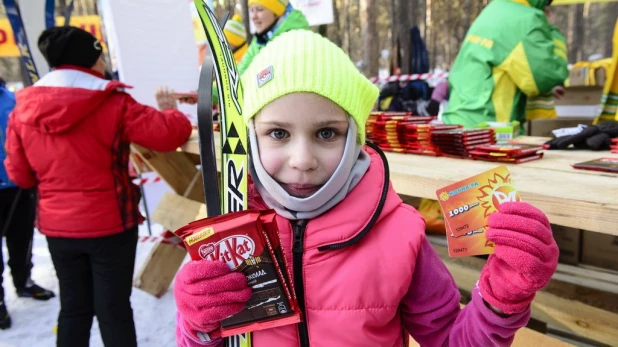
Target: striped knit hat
{"type": "Point", "coordinates": [235, 31]}
{"type": "Point", "coordinates": [275, 6]}
{"type": "Point", "coordinates": [303, 61]}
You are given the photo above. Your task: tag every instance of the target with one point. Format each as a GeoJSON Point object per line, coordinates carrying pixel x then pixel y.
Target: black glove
{"type": "Point", "coordinates": [596, 137]}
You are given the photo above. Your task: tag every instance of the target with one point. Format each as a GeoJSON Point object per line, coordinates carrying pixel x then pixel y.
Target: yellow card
{"type": "Point", "coordinates": [467, 205]}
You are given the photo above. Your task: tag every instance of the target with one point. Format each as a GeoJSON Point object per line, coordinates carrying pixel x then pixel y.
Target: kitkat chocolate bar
{"type": "Point", "coordinates": [248, 242]}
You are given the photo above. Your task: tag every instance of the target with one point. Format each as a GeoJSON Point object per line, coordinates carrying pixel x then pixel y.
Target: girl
{"type": "Point", "coordinates": [236, 37]}
{"type": "Point", "coordinates": [362, 268]}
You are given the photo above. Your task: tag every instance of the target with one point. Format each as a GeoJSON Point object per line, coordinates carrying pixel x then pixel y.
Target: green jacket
{"type": "Point", "coordinates": [294, 20]}
{"type": "Point", "coordinates": [509, 53]}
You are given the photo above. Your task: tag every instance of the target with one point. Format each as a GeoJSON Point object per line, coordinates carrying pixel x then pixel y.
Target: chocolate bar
{"type": "Point", "coordinates": [248, 242]}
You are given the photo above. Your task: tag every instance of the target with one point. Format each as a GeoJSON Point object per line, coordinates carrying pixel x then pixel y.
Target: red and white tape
{"type": "Point", "coordinates": [142, 181]}
{"type": "Point", "coordinates": [412, 77]}
{"type": "Point", "coordinates": [147, 238]}
{"type": "Point", "coordinates": [165, 237]}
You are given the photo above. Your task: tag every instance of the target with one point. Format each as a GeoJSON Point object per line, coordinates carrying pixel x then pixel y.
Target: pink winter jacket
{"type": "Point", "coordinates": [364, 274]}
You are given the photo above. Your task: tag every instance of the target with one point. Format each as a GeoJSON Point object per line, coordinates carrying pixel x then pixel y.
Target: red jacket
{"type": "Point", "coordinates": [69, 136]}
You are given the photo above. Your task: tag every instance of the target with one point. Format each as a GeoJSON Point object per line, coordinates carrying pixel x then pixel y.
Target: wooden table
{"type": "Point", "coordinates": [575, 198]}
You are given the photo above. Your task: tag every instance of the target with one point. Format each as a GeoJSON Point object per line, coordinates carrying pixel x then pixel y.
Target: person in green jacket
{"type": "Point", "coordinates": [271, 18]}
{"type": "Point", "coordinates": [508, 54]}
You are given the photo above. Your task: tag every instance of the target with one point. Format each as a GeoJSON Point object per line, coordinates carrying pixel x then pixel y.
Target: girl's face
{"type": "Point", "coordinates": [301, 138]}
{"type": "Point", "coordinates": [261, 17]}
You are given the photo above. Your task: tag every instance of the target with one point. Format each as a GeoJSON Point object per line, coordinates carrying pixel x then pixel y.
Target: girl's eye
{"type": "Point", "coordinates": [326, 134]}
{"type": "Point", "coordinates": [278, 134]}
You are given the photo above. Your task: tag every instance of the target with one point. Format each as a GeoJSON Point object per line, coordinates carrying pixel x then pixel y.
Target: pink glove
{"type": "Point", "coordinates": [207, 292]}
{"type": "Point", "coordinates": [524, 260]}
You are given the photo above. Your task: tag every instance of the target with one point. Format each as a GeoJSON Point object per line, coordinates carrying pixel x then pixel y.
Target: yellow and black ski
{"type": "Point", "coordinates": [234, 160]}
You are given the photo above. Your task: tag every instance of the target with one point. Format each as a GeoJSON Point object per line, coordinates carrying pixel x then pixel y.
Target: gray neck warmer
{"type": "Point", "coordinates": [353, 165]}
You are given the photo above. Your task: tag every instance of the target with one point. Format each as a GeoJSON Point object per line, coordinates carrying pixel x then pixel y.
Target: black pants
{"type": "Point", "coordinates": [19, 234]}
{"type": "Point", "coordinates": [95, 278]}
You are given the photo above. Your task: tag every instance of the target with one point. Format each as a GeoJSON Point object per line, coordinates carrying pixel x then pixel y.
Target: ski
{"type": "Point", "coordinates": [234, 160]}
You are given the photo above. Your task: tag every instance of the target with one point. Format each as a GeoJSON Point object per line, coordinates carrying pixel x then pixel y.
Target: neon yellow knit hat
{"type": "Point", "coordinates": [235, 31]}
{"type": "Point", "coordinates": [275, 6]}
{"type": "Point", "coordinates": [303, 61]}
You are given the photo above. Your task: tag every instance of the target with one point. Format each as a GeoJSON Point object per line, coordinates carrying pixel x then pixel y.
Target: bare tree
{"type": "Point", "coordinates": [346, 26]}
{"type": "Point", "coordinates": [576, 32]}
{"type": "Point", "coordinates": [430, 37]}
{"type": "Point", "coordinates": [607, 29]}
{"type": "Point", "coordinates": [337, 32]}
{"type": "Point", "coordinates": [466, 20]}
{"type": "Point", "coordinates": [369, 35]}
{"type": "Point", "coordinates": [245, 17]}
{"type": "Point", "coordinates": [406, 18]}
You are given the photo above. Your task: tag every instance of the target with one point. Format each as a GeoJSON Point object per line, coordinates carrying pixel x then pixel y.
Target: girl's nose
{"type": "Point", "coordinates": [302, 158]}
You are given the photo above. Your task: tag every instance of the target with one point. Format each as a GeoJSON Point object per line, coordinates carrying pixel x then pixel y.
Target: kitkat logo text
{"type": "Point", "coordinates": [233, 250]}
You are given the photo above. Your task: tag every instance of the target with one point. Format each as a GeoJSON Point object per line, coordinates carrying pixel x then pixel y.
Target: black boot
{"type": "Point", "coordinates": [34, 291]}
{"type": "Point", "coordinates": [5, 319]}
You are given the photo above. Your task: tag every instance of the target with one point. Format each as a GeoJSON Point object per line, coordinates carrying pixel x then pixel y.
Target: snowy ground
{"type": "Point", "coordinates": [34, 321]}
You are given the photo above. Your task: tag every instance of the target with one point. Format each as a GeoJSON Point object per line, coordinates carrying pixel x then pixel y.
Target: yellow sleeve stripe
{"type": "Point", "coordinates": [561, 53]}
{"type": "Point", "coordinates": [523, 2]}
{"type": "Point", "coordinates": [512, 74]}
{"type": "Point", "coordinates": [560, 44]}
{"type": "Point", "coordinates": [518, 68]}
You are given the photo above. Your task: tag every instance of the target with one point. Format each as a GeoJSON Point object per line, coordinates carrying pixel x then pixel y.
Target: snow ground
{"type": "Point", "coordinates": [34, 321]}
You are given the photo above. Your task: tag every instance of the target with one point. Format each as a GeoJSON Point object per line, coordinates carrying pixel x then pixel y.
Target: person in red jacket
{"type": "Point", "coordinates": [69, 137]}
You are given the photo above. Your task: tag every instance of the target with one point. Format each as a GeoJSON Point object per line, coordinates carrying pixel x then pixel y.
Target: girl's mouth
{"type": "Point", "coordinates": [300, 190]}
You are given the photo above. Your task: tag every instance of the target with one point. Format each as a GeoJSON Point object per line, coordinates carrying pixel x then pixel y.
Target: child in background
{"type": "Point", "coordinates": [362, 268]}
{"type": "Point", "coordinates": [237, 37]}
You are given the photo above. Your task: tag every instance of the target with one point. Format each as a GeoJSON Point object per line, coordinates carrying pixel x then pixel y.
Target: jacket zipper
{"type": "Point", "coordinates": [297, 251]}
{"type": "Point", "coordinates": [298, 248]}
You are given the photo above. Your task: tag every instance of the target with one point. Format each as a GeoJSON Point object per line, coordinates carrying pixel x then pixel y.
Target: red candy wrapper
{"type": "Point", "coordinates": [248, 241]}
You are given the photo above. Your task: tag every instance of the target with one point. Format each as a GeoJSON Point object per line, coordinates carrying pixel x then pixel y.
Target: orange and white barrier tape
{"type": "Point", "coordinates": [412, 77]}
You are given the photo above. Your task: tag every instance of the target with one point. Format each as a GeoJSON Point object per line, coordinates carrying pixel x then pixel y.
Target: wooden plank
{"type": "Point", "coordinates": [159, 268]}
{"type": "Point", "coordinates": [569, 315]}
{"type": "Point", "coordinates": [524, 337]}
{"type": "Point", "coordinates": [175, 211]}
{"type": "Point", "coordinates": [575, 198]}
{"type": "Point", "coordinates": [591, 272]}
{"type": "Point", "coordinates": [586, 282]}
{"type": "Point", "coordinates": [567, 286]}
{"type": "Point", "coordinates": [175, 168]}
{"type": "Point", "coordinates": [161, 265]}
{"type": "Point", "coordinates": [580, 95]}
{"type": "Point", "coordinates": [587, 278]}
{"type": "Point", "coordinates": [192, 145]}
{"type": "Point", "coordinates": [528, 337]}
